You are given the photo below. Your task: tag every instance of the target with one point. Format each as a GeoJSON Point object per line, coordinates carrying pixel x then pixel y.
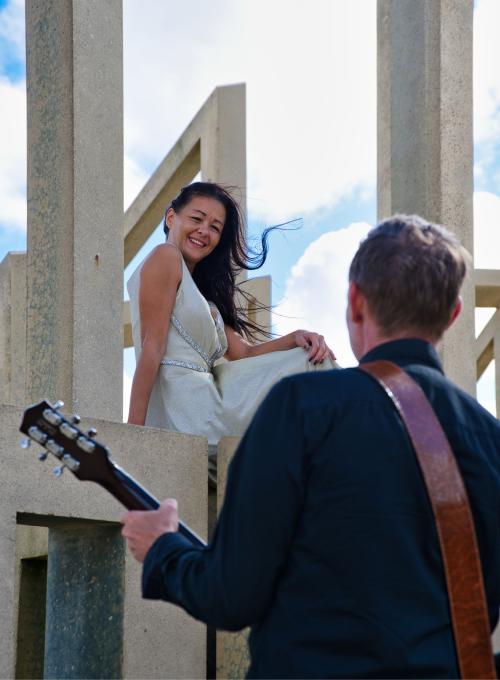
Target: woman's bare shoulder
{"type": "Point", "coordinates": [164, 261]}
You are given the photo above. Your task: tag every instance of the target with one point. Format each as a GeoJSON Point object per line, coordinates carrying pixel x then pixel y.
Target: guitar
{"type": "Point", "coordinates": [86, 458]}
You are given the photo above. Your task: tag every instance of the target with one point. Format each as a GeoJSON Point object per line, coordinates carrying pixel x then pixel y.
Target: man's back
{"type": "Point", "coordinates": [362, 593]}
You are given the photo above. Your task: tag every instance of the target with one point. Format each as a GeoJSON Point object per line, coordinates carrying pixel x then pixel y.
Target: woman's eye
{"type": "Point", "coordinates": [196, 219]}
{"type": "Point", "coordinates": [217, 229]}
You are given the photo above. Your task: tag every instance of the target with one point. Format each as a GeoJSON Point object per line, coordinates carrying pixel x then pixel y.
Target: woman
{"type": "Point", "coordinates": [184, 319]}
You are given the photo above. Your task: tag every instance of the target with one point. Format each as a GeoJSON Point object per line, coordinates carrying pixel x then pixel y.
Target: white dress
{"type": "Point", "coordinates": [192, 394]}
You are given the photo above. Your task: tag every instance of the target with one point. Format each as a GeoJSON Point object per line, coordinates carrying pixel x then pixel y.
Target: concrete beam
{"type": "Point", "coordinates": [75, 203]}
{"type": "Point", "coordinates": [485, 347]}
{"type": "Point", "coordinates": [159, 640]}
{"type": "Point", "coordinates": [223, 146]}
{"type": "Point", "coordinates": [487, 284]}
{"type": "Point", "coordinates": [425, 153]}
{"type": "Point", "coordinates": [128, 340]}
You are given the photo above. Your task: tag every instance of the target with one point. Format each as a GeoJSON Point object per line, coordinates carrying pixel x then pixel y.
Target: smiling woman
{"type": "Point", "coordinates": [185, 320]}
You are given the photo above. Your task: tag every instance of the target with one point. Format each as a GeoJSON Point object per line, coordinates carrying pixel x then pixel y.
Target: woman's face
{"type": "Point", "coordinates": [197, 228]}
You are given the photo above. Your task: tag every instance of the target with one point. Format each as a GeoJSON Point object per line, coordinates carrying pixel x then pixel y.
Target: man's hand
{"type": "Point", "coordinates": [142, 528]}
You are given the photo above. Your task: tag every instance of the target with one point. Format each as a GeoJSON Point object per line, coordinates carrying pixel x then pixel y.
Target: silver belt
{"type": "Point", "coordinates": [184, 364]}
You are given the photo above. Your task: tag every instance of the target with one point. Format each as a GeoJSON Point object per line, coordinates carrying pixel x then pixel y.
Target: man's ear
{"type": "Point", "coordinates": [456, 311]}
{"type": "Point", "coordinates": [356, 302]}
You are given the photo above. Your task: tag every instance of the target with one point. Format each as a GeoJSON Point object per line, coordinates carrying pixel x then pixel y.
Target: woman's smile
{"type": "Point", "coordinates": [197, 243]}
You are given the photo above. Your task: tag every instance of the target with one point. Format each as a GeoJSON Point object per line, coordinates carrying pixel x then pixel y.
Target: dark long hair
{"type": "Point", "coordinates": [216, 274]}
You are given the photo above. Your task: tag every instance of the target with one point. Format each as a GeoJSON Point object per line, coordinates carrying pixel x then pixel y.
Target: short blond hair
{"type": "Point", "coordinates": [410, 272]}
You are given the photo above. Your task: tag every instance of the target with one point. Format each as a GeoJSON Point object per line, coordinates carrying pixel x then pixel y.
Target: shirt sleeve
{"type": "Point", "coordinates": [230, 584]}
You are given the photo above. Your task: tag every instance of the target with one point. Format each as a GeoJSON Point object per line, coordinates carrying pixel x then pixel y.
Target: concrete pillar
{"type": "Point", "coordinates": [223, 143]}
{"type": "Point", "coordinates": [13, 329]}
{"type": "Point", "coordinates": [85, 596]}
{"type": "Point", "coordinates": [75, 204]}
{"type": "Point", "coordinates": [425, 146]}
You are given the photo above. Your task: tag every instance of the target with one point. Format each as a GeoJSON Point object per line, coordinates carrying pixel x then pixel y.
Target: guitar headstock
{"type": "Point", "coordinates": [60, 435]}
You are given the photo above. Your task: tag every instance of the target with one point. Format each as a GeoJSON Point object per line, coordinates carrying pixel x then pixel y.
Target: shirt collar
{"type": "Point", "coordinates": [405, 351]}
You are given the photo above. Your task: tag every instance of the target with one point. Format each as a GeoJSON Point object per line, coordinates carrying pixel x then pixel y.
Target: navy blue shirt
{"type": "Point", "coordinates": [326, 544]}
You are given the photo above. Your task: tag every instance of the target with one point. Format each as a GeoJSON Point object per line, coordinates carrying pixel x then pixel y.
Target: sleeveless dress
{"type": "Point", "coordinates": [194, 394]}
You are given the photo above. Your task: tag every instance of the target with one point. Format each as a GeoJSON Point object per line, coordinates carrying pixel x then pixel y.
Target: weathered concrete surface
{"type": "Point", "coordinates": [13, 329]}
{"type": "Point", "coordinates": [159, 640]}
{"type": "Point", "coordinates": [85, 598]}
{"type": "Point", "coordinates": [259, 310]}
{"type": "Point", "coordinates": [223, 144]}
{"type": "Point", "coordinates": [231, 648]}
{"type": "Point", "coordinates": [425, 151]}
{"type": "Point", "coordinates": [75, 204]}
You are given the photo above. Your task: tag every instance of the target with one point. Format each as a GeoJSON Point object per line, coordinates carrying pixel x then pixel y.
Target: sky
{"type": "Point", "coordinates": [310, 72]}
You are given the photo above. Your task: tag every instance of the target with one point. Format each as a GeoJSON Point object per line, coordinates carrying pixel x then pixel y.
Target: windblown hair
{"type": "Point", "coordinates": [410, 272]}
{"type": "Point", "coordinates": [216, 274]}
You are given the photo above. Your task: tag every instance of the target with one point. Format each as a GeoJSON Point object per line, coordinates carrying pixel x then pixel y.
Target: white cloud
{"type": "Point", "coordinates": [486, 84]}
{"type": "Point", "coordinates": [13, 155]}
{"type": "Point", "coordinates": [134, 178]}
{"type": "Point", "coordinates": [316, 292]}
{"type": "Point", "coordinates": [486, 74]}
{"type": "Point", "coordinates": [311, 81]}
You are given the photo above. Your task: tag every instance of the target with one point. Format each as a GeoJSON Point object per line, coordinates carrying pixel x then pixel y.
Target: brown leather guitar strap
{"type": "Point", "coordinates": [453, 516]}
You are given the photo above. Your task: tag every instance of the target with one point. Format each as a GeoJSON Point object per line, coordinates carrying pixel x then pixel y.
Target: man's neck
{"type": "Point", "coordinates": [373, 338]}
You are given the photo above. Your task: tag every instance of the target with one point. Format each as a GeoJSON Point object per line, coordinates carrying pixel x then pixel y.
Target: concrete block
{"type": "Point", "coordinates": [159, 640]}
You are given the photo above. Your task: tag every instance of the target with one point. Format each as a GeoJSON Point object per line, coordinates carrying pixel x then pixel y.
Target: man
{"type": "Point", "coordinates": [326, 545]}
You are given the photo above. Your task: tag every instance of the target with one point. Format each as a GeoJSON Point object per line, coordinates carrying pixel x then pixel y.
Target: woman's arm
{"type": "Point", "coordinates": [161, 274]}
{"type": "Point", "coordinates": [313, 343]}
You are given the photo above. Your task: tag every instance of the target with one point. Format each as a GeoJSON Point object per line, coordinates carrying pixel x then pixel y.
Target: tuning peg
{"type": "Point", "coordinates": [70, 462]}
{"type": "Point", "coordinates": [25, 443]}
{"type": "Point", "coordinates": [75, 419]}
{"type": "Point", "coordinates": [92, 432]}
{"type": "Point", "coordinates": [58, 470]}
{"type": "Point", "coordinates": [59, 404]}
{"type": "Point", "coordinates": [43, 455]}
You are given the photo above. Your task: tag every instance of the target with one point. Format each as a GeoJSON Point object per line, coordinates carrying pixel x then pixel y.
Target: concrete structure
{"type": "Point", "coordinates": [63, 320]}
{"type": "Point", "coordinates": [75, 204]}
{"type": "Point", "coordinates": [487, 284]}
{"type": "Point", "coordinates": [158, 641]}
{"type": "Point", "coordinates": [425, 146]}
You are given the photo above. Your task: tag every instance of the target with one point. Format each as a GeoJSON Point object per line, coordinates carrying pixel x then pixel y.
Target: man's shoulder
{"type": "Point", "coordinates": [336, 385]}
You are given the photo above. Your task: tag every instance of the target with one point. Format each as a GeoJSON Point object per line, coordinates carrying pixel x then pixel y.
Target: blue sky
{"type": "Point", "coordinates": [310, 70]}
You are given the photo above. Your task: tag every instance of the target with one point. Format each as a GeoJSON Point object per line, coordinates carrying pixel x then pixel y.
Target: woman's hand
{"type": "Point", "coordinates": [314, 344]}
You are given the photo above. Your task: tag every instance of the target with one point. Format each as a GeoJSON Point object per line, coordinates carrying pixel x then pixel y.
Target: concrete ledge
{"type": "Point", "coordinates": [159, 640]}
